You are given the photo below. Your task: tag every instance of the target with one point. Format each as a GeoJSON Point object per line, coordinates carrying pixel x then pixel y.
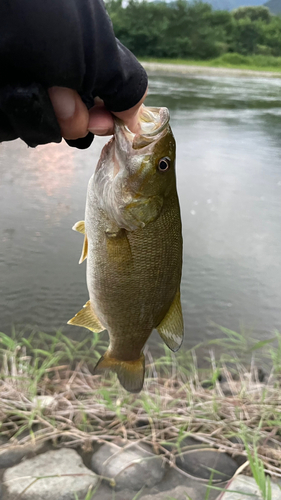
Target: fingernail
{"type": "Point", "coordinates": [99, 131]}
{"type": "Point", "coordinates": [63, 101]}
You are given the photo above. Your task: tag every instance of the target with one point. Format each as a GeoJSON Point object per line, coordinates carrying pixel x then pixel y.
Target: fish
{"type": "Point", "coordinates": [133, 246]}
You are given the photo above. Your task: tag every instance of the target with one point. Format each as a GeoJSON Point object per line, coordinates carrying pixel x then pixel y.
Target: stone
{"type": "Point", "coordinates": [243, 486]}
{"type": "Point", "coordinates": [11, 454]}
{"type": "Point", "coordinates": [45, 401]}
{"type": "Point", "coordinates": [201, 462]}
{"type": "Point", "coordinates": [178, 493]}
{"type": "Point", "coordinates": [198, 459]}
{"type": "Point", "coordinates": [3, 439]}
{"type": "Point", "coordinates": [71, 477]}
{"type": "Point", "coordinates": [187, 442]}
{"type": "Point", "coordinates": [130, 467]}
{"type": "Point", "coordinates": [174, 478]}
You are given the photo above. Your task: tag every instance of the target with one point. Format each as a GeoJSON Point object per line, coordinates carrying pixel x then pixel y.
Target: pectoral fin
{"type": "Point", "coordinates": [87, 318]}
{"type": "Point", "coordinates": [171, 327]}
{"type": "Point", "coordinates": [118, 250]}
{"type": "Point", "coordinates": [84, 250]}
{"type": "Point", "coordinates": [80, 227]}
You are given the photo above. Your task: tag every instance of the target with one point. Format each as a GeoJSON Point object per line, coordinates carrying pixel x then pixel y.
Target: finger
{"type": "Point", "coordinates": [131, 116]}
{"type": "Point", "coordinates": [71, 112]}
{"type": "Point", "coordinates": [100, 121]}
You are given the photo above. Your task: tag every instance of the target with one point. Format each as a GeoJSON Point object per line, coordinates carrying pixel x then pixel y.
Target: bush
{"type": "Point", "coordinates": [234, 58]}
{"type": "Point", "coordinates": [264, 50]}
{"type": "Point", "coordinates": [258, 61]}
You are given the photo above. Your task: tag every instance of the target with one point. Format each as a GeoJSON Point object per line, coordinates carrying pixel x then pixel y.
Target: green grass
{"type": "Point", "coordinates": [217, 404]}
{"type": "Point", "coordinates": [230, 60]}
{"type": "Point", "coordinates": [257, 469]}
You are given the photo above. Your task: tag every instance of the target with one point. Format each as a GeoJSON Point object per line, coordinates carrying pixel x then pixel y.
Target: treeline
{"type": "Point", "coordinates": [194, 30]}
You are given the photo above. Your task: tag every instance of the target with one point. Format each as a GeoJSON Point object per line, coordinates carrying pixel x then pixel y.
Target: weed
{"type": "Point", "coordinates": [258, 472]}
{"type": "Point", "coordinates": [47, 390]}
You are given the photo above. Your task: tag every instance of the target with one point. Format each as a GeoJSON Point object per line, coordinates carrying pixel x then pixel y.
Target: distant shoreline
{"type": "Point", "coordinates": [194, 69]}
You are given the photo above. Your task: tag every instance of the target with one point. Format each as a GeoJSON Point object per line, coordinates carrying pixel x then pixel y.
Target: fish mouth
{"type": "Point", "coordinates": [153, 122]}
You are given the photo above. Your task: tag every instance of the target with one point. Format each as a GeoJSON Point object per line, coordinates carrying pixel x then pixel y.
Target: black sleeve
{"type": "Point", "coordinates": [68, 43]}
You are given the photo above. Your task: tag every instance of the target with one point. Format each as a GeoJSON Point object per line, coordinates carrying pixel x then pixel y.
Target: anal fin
{"type": "Point", "coordinates": [171, 327]}
{"type": "Point", "coordinates": [87, 318]}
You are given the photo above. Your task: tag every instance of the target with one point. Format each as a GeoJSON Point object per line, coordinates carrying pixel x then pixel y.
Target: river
{"type": "Point", "coordinates": [228, 133]}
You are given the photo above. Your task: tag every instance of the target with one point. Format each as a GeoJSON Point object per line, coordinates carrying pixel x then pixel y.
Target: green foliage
{"type": "Point", "coordinates": [252, 13]}
{"type": "Point", "coordinates": [193, 30]}
{"type": "Point", "coordinates": [235, 58]}
{"type": "Point", "coordinates": [258, 61]}
{"type": "Point", "coordinates": [246, 36]}
{"type": "Point", "coordinates": [257, 469]}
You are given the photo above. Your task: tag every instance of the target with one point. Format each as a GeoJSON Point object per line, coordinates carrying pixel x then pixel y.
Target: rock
{"type": "Point", "coordinates": [74, 477]}
{"type": "Point", "coordinates": [3, 440]}
{"type": "Point", "coordinates": [178, 493]}
{"type": "Point", "coordinates": [131, 468]}
{"type": "Point", "coordinates": [248, 487]}
{"type": "Point", "coordinates": [12, 454]}
{"type": "Point", "coordinates": [187, 442]}
{"type": "Point", "coordinates": [44, 401]}
{"type": "Point", "coordinates": [201, 462]}
{"type": "Point", "coordinates": [174, 478]}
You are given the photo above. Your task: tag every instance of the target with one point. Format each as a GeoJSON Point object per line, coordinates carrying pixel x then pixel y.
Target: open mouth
{"type": "Point", "coordinates": [153, 122]}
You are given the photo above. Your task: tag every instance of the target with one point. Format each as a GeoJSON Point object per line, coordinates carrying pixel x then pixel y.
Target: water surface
{"type": "Point", "coordinates": [228, 133]}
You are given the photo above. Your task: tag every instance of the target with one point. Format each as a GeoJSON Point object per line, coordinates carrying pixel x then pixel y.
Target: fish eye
{"type": "Point", "coordinates": [164, 164]}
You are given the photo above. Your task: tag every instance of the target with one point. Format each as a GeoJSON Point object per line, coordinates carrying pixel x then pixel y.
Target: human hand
{"type": "Point", "coordinates": [75, 120]}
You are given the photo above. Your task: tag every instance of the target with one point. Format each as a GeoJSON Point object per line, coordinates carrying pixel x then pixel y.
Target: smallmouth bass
{"type": "Point", "coordinates": [133, 246]}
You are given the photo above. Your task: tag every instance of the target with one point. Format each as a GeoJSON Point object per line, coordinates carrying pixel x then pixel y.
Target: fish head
{"type": "Point", "coordinates": [138, 170]}
{"type": "Point", "coordinates": [147, 157]}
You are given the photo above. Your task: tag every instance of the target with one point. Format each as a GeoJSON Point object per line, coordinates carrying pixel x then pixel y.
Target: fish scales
{"type": "Point", "coordinates": [134, 251]}
{"type": "Point", "coordinates": [133, 297]}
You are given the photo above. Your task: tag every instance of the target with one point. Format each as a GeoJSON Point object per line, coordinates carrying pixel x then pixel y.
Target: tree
{"type": "Point", "coordinates": [253, 13]}
{"type": "Point", "coordinates": [246, 36]}
{"type": "Point", "coordinates": [182, 29]}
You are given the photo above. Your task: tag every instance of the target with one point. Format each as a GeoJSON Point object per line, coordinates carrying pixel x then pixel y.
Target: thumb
{"type": "Point", "coordinates": [131, 116]}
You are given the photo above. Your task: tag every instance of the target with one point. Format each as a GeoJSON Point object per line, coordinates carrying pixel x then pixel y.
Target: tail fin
{"type": "Point", "coordinates": [129, 373]}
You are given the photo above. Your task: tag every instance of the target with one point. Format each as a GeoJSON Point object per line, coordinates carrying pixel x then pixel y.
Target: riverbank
{"type": "Point", "coordinates": [49, 398]}
{"type": "Point", "coordinates": [255, 66]}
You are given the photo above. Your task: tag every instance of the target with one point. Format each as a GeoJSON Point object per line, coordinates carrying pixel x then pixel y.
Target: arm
{"type": "Point", "coordinates": [65, 43]}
